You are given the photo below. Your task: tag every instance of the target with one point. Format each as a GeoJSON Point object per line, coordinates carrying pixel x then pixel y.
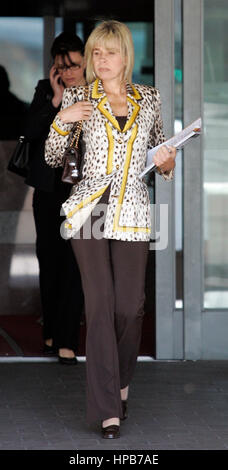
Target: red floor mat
{"type": "Point", "coordinates": [5, 348]}
{"type": "Point", "coordinates": [24, 336]}
{"type": "Point", "coordinates": [24, 333]}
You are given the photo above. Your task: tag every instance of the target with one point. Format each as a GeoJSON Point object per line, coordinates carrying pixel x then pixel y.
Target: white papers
{"type": "Point", "coordinates": [178, 141]}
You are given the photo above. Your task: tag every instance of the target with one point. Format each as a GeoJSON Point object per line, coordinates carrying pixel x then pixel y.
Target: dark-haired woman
{"type": "Point", "coordinates": [60, 283]}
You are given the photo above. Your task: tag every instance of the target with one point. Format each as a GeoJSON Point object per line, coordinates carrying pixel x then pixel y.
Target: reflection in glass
{"type": "Point", "coordinates": [14, 110]}
{"type": "Point", "coordinates": [215, 154]}
{"type": "Point", "coordinates": [58, 25]}
{"type": "Point", "coordinates": [22, 265]}
{"type": "Point", "coordinates": [79, 30]}
{"type": "Point", "coordinates": [21, 53]}
{"type": "Point", "coordinates": [143, 35]}
{"type": "Point", "coordinates": [21, 61]}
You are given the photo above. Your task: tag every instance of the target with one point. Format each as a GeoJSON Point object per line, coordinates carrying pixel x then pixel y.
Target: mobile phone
{"type": "Point", "coordinates": [56, 72]}
{"type": "Point", "coordinates": [59, 81]}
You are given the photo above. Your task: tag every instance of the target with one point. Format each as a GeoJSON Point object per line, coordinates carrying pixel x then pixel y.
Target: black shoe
{"type": "Point", "coordinates": [124, 409]}
{"type": "Point", "coordinates": [68, 360]}
{"type": "Point", "coordinates": [49, 350]}
{"type": "Point", "coordinates": [110, 432]}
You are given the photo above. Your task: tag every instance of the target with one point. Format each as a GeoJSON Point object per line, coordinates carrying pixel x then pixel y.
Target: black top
{"type": "Point", "coordinates": [41, 114]}
{"type": "Point", "coordinates": [121, 120]}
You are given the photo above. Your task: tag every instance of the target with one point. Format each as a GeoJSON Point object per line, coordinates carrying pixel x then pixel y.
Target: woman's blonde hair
{"type": "Point", "coordinates": [104, 33]}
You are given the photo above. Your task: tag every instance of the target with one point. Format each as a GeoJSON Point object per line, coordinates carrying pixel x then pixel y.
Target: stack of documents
{"type": "Point", "coordinates": [178, 141]}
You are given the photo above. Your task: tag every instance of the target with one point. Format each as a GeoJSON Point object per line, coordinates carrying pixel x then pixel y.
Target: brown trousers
{"type": "Point", "coordinates": [113, 278]}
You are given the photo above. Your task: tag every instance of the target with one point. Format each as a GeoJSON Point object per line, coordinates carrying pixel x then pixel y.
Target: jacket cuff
{"type": "Point", "coordinates": [60, 127]}
{"type": "Point", "coordinates": [168, 175]}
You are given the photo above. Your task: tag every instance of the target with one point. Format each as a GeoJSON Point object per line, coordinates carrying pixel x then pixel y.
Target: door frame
{"type": "Point", "coordinates": [192, 332]}
{"type": "Point", "coordinates": [178, 331]}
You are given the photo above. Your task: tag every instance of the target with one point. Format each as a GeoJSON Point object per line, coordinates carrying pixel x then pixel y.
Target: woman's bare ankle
{"type": "Point", "coordinates": [108, 422]}
{"type": "Point", "coordinates": [65, 352]}
{"type": "Point", "coordinates": [124, 393]}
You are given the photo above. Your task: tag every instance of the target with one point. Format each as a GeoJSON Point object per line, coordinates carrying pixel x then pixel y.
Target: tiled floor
{"type": "Point", "coordinates": [173, 405]}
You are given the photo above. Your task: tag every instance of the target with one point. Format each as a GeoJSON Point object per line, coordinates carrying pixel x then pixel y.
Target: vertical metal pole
{"type": "Point", "coordinates": [193, 191]}
{"type": "Point", "coordinates": [164, 194]}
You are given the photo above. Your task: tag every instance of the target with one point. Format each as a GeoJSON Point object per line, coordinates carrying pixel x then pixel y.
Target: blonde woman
{"type": "Point", "coordinates": [120, 121]}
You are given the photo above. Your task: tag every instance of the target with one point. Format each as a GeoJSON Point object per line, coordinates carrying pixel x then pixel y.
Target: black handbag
{"type": "Point", "coordinates": [19, 159]}
{"type": "Point", "coordinates": [72, 157]}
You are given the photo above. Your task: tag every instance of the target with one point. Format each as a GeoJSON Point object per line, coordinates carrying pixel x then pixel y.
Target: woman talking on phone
{"type": "Point", "coordinates": [60, 283]}
{"type": "Point", "coordinates": [120, 121]}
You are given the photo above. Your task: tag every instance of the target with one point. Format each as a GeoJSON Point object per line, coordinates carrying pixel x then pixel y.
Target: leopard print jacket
{"type": "Point", "coordinates": [113, 157]}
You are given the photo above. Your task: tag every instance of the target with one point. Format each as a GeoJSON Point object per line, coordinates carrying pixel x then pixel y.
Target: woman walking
{"type": "Point", "coordinates": [120, 121]}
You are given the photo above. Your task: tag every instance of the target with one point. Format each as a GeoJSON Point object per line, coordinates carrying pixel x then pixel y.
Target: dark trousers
{"type": "Point", "coordinates": [60, 282]}
{"type": "Point", "coordinates": [113, 278]}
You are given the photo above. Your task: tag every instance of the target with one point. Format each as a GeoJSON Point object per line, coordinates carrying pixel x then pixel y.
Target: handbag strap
{"type": "Point", "coordinates": [78, 129]}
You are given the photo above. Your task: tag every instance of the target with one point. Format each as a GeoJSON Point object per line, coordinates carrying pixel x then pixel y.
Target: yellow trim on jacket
{"type": "Point", "coordinates": [116, 226]}
{"type": "Point", "coordinates": [110, 148]}
{"type": "Point", "coordinates": [113, 120]}
{"type": "Point", "coordinates": [57, 129]}
{"type": "Point", "coordinates": [130, 88]}
{"type": "Point", "coordinates": [86, 201]}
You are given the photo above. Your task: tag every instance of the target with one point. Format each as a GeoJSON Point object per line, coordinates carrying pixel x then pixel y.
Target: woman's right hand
{"type": "Point", "coordinates": [57, 86]}
{"type": "Point", "coordinates": [80, 111]}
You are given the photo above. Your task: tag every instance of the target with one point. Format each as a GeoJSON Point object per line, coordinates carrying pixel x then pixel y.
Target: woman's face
{"type": "Point", "coordinates": [72, 74]}
{"type": "Point", "coordinates": [108, 62]}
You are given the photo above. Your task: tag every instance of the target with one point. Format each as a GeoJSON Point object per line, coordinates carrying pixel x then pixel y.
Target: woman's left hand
{"type": "Point", "coordinates": [164, 158]}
